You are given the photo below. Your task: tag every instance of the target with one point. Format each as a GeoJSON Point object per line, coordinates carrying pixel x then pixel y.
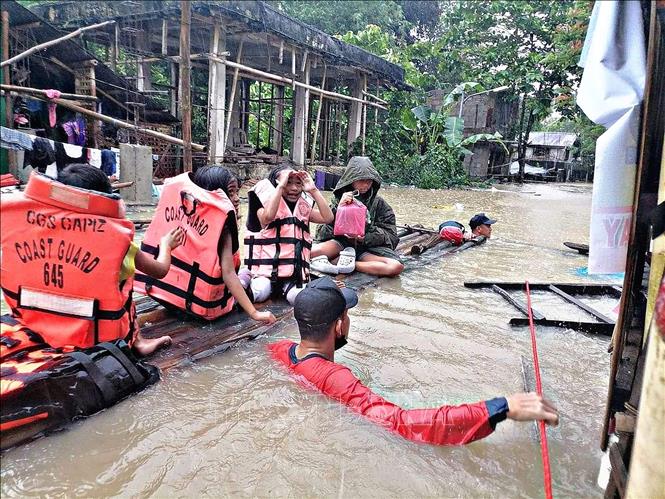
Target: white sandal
{"type": "Point", "coordinates": [347, 261]}
{"type": "Point", "coordinates": [322, 264]}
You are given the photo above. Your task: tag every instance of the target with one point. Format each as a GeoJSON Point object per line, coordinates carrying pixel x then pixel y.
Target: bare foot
{"type": "Point", "coordinates": [145, 347]}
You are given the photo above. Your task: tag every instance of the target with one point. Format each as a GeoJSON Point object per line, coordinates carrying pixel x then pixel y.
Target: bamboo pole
{"type": "Point", "coordinates": [378, 99]}
{"type": "Point", "coordinates": [229, 108]}
{"type": "Point", "coordinates": [289, 81]}
{"type": "Point", "coordinates": [50, 43]}
{"type": "Point", "coordinates": [318, 114]}
{"type": "Point", "coordinates": [28, 90]}
{"type": "Point", "coordinates": [185, 89]}
{"type": "Point", "coordinates": [122, 124]}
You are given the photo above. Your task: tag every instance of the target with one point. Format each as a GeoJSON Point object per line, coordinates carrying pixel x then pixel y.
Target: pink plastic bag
{"type": "Point", "coordinates": [350, 219]}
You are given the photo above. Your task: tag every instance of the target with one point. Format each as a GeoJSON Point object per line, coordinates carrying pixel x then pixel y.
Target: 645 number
{"type": "Point", "coordinates": [53, 275]}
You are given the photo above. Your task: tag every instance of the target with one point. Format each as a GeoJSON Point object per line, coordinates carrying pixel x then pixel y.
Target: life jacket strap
{"type": "Point", "coordinates": [192, 269]}
{"type": "Point", "coordinates": [151, 281]}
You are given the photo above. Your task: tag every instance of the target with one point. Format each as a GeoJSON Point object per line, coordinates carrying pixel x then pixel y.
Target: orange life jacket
{"type": "Point", "coordinates": [281, 249]}
{"type": "Point", "coordinates": [62, 252]}
{"type": "Point", "coordinates": [194, 282]}
{"type": "Point", "coordinates": [44, 388]}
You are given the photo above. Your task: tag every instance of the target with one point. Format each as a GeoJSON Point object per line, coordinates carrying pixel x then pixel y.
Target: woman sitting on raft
{"type": "Point", "coordinates": [202, 280]}
{"type": "Point", "coordinates": [72, 284]}
{"type": "Point", "coordinates": [375, 252]}
{"type": "Point", "coordinates": [278, 243]}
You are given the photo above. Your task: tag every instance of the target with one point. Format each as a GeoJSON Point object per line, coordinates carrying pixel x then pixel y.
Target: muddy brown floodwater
{"type": "Point", "coordinates": [236, 424]}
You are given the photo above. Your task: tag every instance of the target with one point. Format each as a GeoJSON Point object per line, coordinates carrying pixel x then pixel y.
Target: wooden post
{"type": "Point", "coordinates": [300, 121]}
{"type": "Point", "coordinates": [278, 137]}
{"type": "Point", "coordinates": [355, 112]}
{"type": "Point", "coordinates": [216, 96]}
{"type": "Point", "coordinates": [85, 84]}
{"type": "Point", "coordinates": [258, 117]}
{"type": "Point", "coordinates": [318, 115]}
{"type": "Point", "coordinates": [173, 91]}
{"type": "Point", "coordinates": [185, 74]}
{"type": "Point", "coordinates": [364, 127]}
{"type": "Point", "coordinates": [229, 107]}
{"type": "Point", "coordinates": [9, 114]}
{"type": "Point", "coordinates": [114, 47]}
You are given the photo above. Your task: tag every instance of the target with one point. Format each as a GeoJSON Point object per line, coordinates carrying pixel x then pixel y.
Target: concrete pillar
{"type": "Point", "coordinates": [216, 96]}
{"type": "Point", "coordinates": [173, 91]}
{"type": "Point", "coordinates": [301, 106]}
{"type": "Point", "coordinates": [143, 82]}
{"type": "Point", "coordinates": [356, 110]}
{"type": "Point", "coordinates": [136, 166]}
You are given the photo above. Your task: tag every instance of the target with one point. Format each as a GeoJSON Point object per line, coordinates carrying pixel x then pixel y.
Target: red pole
{"type": "Point", "coordinates": [544, 451]}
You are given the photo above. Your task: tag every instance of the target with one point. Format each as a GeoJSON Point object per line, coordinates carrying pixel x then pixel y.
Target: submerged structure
{"type": "Point", "coordinates": [253, 85]}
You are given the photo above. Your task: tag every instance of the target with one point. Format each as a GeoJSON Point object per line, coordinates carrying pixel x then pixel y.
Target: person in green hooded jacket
{"type": "Point", "coordinates": [375, 252]}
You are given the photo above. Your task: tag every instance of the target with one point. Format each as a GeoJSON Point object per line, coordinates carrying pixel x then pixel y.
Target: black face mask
{"type": "Point", "coordinates": [340, 342]}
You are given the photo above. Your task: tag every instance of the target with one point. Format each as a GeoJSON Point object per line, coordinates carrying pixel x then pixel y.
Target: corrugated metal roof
{"type": "Point", "coordinates": [552, 139]}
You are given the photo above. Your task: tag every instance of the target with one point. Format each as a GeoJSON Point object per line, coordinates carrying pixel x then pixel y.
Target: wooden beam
{"type": "Point", "coordinates": [587, 308]}
{"type": "Point", "coordinates": [278, 136]}
{"type": "Point", "coordinates": [50, 43]}
{"type": "Point", "coordinates": [517, 303]}
{"type": "Point", "coordinates": [586, 327]}
{"type": "Point", "coordinates": [185, 75]}
{"type": "Point", "coordinates": [119, 123]}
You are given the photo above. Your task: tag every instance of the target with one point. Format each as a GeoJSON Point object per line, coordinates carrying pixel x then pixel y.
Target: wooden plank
{"type": "Point", "coordinates": [583, 249]}
{"type": "Point", "coordinates": [587, 308]}
{"type": "Point", "coordinates": [571, 288]}
{"type": "Point", "coordinates": [599, 328]}
{"type": "Point", "coordinates": [618, 474]}
{"type": "Point", "coordinates": [517, 303]}
{"type": "Point", "coordinates": [185, 76]}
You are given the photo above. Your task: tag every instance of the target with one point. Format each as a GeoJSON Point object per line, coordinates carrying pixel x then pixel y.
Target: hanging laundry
{"type": "Point", "coordinates": [95, 157]}
{"type": "Point", "coordinates": [41, 156]}
{"type": "Point", "coordinates": [75, 131]}
{"type": "Point", "coordinates": [15, 140]}
{"type": "Point", "coordinates": [52, 94]}
{"type": "Point", "coordinates": [66, 154]}
{"type": "Point", "coordinates": [108, 162]}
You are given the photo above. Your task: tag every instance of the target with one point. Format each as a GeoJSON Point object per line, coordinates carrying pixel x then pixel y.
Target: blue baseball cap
{"type": "Point", "coordinates": [480, 219]}
{"type": "Point", "coordinates": [322, 302]}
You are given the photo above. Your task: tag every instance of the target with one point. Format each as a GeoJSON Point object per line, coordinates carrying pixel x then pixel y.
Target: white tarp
{"type": "Point", "coordinates": [610, 94]}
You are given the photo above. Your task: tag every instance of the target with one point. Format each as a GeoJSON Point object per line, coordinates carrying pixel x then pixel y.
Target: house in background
{"type": "Point", "coordinates": [484, 113]}
{"type": "Point", "coordinates": [557, 153]}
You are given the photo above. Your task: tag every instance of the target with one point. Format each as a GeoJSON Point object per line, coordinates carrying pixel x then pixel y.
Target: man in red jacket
{"type": "Point", "coordinates": [321, 311]}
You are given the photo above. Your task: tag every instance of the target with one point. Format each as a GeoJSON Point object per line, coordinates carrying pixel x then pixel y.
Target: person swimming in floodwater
{"type": "Point", "coordinates": [203, 280]}
{"type": "Point", "coordinates": [375, 252]}
{"type": "Point", "coordinates": [278, 242]}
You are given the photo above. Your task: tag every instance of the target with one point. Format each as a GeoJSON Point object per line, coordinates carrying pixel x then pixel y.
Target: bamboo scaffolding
{"type": "Point", "coordinates": [122, 124]}
{"type": "Point", "coordinates": [50, 43]}
{"type": "Point", "coordinates": [293, 82]}
{"type": "Point", "coordinates": [29, 90]}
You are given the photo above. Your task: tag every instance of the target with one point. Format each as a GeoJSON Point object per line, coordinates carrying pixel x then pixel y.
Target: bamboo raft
{"type": "Point", "coordinates": [196, 339]}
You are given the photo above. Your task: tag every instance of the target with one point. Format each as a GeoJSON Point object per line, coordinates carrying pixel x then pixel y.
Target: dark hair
{"type": "Point", "coordinates": [274, 173]}
{"type": "Point", "coordinates": [213, 177]}
{"type": "Point", "coordinates": [85, 177]}
{"type": "Point", "coordinates": [317, 332]}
